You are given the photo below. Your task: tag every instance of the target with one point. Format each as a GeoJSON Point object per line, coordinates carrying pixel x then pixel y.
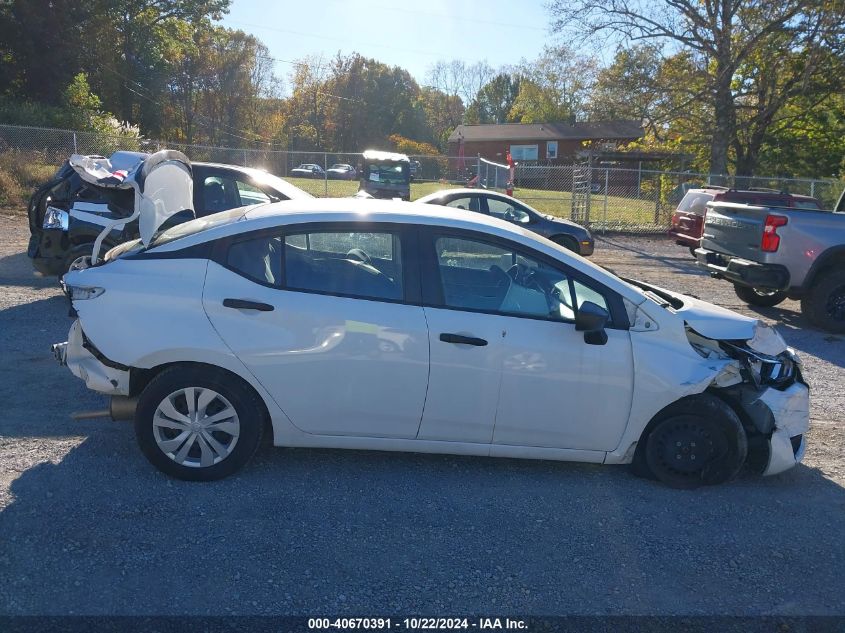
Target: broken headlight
{"type": "Point", "coordinates": [776, 371]}
{"type": "Point", "coordinates": [55, 219]}
{"type": "Point", "coordinates": [80, 293]}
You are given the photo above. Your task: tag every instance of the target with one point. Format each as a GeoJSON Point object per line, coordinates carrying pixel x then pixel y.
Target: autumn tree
{"type": "Point", "coordinates": [722, 37]}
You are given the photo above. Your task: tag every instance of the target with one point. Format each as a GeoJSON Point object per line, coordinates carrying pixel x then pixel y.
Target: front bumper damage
{"type": "Point", "coordinates": [790, 409]}
{"type": "Point", "coordinates": [85, 362]}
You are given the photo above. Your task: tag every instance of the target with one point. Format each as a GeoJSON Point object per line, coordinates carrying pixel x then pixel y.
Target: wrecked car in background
{"type": "Point", "coordinates": [397, 326]}
{"type": "Point", "coordinates": [67, 213]}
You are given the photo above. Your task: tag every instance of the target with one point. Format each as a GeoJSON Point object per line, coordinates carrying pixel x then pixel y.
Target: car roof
{"type": "Point", "coordinates": [467, 191]}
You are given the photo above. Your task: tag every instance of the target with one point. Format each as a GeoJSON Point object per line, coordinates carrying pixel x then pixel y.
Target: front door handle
{"type": "Point", "coordinates": [245, 304]}
{"type": "Point", "coordinates": [462, 340]}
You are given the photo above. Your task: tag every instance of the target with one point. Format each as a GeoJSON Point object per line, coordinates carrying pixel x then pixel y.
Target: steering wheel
{"type": "Point", "coordinates": [360, 255]}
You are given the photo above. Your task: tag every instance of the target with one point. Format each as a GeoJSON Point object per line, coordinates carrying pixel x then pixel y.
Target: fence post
{"type": "Point", "coordinates": [657, 187]}
{"type": "Point", "coordinates": [812, 188]}
{"type": "Point", "coordinates": [325, 176]}
{"type": "Point", "coordinates": [604, 216]}
{"type": "Point", "coordinates": [75, 151]}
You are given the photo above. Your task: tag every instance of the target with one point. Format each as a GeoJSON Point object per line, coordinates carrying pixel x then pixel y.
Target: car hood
{"type": "Point", "coordinates": [709, 320]}
{"type": "Point", "coordinates": [561, 221]}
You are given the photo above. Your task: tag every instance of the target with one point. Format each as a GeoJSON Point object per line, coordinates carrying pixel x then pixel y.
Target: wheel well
{"type": "Point", "coordinates": [655, 420]}
{"type": "Point", "coordinates": [564, 239]}
{"type": "Point", "coordinates": [139, 378]}
{"type": "Point", "coordinates": [825, 264]}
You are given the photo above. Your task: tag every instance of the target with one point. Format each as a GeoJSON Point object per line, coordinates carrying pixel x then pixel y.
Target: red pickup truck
{"type": "Point", "coordinates": [688, 219]}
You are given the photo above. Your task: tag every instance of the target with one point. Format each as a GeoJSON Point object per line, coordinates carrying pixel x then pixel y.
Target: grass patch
{"type": "Point", "coordinates": [613, 213]}
{"type": "Point", "coordinates": [20, 174]}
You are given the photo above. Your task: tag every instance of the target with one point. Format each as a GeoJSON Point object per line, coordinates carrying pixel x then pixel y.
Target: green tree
{"type": "Point", "coordinates": [720, 37]}
{"type": "Point", "coordinates": [554, 87]}
{"type": "Point", "coordinates": [494, 101]}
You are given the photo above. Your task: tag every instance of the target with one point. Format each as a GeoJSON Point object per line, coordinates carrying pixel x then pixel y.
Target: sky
{"type": "Point", "coordinates": [412, 34]}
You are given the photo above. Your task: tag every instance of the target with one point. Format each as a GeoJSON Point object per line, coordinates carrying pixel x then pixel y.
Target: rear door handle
{"type": "Point", "coordinates": [244, 304]}
{"type": "Point", "coordinates": [462, 340]}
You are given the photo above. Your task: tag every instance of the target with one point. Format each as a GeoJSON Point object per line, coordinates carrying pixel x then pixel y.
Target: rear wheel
{"type": "Point", "coordinates": [198, 423]}
{"type": "Point", "coordinates": [824, 305]}
{"type": "Point", "coordinates": [692, 250]}
{"type": "Point", "coordinates": [758, 296]}
{"type": "Point", "coordinates": [697, 441]}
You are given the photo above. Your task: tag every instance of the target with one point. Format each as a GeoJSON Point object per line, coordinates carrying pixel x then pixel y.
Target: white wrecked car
{"type": "Point", "coordinates": [395, 326]}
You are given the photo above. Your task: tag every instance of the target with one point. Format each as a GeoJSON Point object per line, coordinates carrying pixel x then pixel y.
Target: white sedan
{"type": "Point", "coordinates": [395, 326]}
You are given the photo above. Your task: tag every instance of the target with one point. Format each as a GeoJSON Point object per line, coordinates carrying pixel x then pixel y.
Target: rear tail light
{"type": "Point", "coordinates": [771, 239]}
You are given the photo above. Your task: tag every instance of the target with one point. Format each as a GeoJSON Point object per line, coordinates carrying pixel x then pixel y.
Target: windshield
{"type": "Point", "coordinates": [283, 187]}
{"type": "Point", "coordinates": [198, 226]}
{"type": "Point", "coordinates": [388, 173]}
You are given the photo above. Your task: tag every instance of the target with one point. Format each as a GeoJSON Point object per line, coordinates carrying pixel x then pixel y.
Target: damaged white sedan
{"type": "Point", "coordinates": [395, 326]}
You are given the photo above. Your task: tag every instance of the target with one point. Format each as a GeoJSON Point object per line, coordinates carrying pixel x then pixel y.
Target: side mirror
{"type": "Point", "coordinates": [591, 319]}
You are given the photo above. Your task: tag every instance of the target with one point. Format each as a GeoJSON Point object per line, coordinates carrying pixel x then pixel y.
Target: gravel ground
{"type": "Point", "coordinates": [88, 527]}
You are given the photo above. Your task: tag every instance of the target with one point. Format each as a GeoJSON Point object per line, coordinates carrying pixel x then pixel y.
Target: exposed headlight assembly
{"type": "Point", "coordinates": [55, 219]}
{"type": "Point", "coordinates": [81, 293]}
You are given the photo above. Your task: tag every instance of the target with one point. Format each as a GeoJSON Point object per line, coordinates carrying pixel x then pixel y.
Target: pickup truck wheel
{"type": "Point", "coordinates": [824, 305]}
{"type": "Point", "coordinates": [198, 423]}
{"type": "Point", "coordinates": [698, 441]}
{"type": "Point", "coordinates": [759, 297]}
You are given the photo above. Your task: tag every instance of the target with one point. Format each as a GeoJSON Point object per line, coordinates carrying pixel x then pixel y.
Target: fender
{"type": "Point", "coordinates": [829, 258]}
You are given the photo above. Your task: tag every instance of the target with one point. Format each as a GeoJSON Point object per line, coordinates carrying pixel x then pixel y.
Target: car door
{"type": "Point", "coordinates": [328, 321]}
{"type": "Point", "coordinates": [535, 381]}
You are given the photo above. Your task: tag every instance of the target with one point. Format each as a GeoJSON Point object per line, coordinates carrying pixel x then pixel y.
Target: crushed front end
{"type": "Point", "coordinates": [766, 387]}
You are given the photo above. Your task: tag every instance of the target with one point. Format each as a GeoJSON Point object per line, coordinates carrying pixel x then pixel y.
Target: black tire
{"type": "Point", "coordinates": [824, 305]}
{"type": "Point", "coordinates": [692, 251]}
{"type": "Point", "coordinates": [80, 250]}
{"type": "Point", "coordinates": [569, 243]}
{"type": "Point", "coordinates": [759, 297]}
{"type": "Point", "coordinates": [246, 402]}
{"type": "Point", "coordinates": [697, 441]}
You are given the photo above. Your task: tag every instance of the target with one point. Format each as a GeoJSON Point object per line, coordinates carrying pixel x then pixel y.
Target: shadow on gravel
{"type": "Point", "coordinates": [683, 263]}
{"type": "Point", "coordinates": [349, 532]}
{"type": "Point", "coordinates": [16, 270]}
{"type": "Point", "coordinates": [798, 333]}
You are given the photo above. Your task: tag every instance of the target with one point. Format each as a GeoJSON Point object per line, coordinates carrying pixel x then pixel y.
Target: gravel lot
{"type": "Point", "coordinates": [88, 527]}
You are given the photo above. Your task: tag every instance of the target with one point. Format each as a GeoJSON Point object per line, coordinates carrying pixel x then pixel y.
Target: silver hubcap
{"type": "Point", "coordinates": [196, 427]}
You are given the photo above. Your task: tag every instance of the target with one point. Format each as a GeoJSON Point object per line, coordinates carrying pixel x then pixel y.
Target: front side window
{"type": "Point", "coordinates": [250, 194]}
{"type": "Point", "coordinates": [509, 211]}
{"type": "Point", "coordinates": [476, 275]}
{"type": "Point", "coordinates": [469, 203]}
{"type": "Point", "coordinates": [356, 264]}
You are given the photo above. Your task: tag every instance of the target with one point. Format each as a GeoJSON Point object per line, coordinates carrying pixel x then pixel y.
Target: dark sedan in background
{"type": "Point", "coordinates": [564, 232]}
{"type": "Point", "coordinates": [341, 171]}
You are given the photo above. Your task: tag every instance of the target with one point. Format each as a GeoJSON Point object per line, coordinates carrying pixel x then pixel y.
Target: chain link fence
{"type": "Point", "coordinates": [604, 198]}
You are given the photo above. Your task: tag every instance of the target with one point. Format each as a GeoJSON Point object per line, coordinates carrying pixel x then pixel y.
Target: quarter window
{"type": "Point", "coordinates": [476, 275]}
{"type": "Point", "coordinates": [357, 264]}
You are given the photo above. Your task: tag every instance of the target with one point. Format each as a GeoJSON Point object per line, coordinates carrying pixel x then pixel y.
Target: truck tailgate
{"type": "Point", "coordinates": [734, 229]}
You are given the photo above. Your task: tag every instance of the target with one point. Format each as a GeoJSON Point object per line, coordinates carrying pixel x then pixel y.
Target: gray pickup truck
{"type": "Point", "coordinates": [771, 253]}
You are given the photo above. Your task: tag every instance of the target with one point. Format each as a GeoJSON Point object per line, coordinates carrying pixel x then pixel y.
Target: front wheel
{"type": "Point", "coordinates": [824, 305]}
{"type": "Point", "coordinates": [759, 297]}
{"type": "Point", "coordinates": [697, 441]}
{"type": "Point", "coordinates": [198, 423]}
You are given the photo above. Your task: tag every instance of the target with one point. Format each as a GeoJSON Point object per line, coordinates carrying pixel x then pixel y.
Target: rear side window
{"type": "Point", "coordinates": [258, 259]}
{"type": "Point", "coordinates": [695, 202]}
{"type": "Point", "coordinates": [357, 264]}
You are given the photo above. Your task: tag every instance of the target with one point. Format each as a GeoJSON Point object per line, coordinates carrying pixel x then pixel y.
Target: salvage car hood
{"type": "Point", "coordinates": [709, 320]}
